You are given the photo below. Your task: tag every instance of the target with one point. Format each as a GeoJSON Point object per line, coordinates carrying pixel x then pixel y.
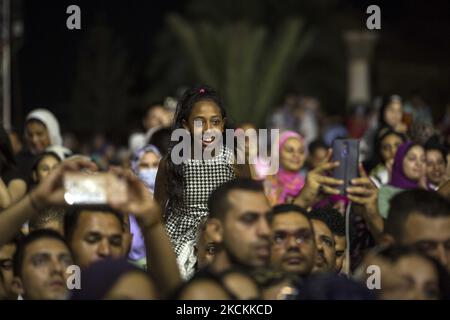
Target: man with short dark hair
{"type": "Point", "coordinates": [40, 265]}
{"type": "Point", "coordinates": [325, 244]}
{"type": "Point", "coordinates": [421, 219]}
{"type": "Point", "coordinates": [239, 213]}
{"type": "Point", "coordinates": [93, 235]}
{"type": "Point", "coordinates": [238, 226]}
{"type": "Point", "coordinates": [336, 222]}
{"type": "Point", "coordinates": [436, 164]}
{"type": "Point", "coordinates": [293, 248]}
{"type": "Point", "coordinates": [51, 218]}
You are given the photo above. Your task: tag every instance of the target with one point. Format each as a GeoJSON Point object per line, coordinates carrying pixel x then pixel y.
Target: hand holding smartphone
{"type": "Point", "coordinates": [93, 189]}
{"type": "Point", "coordinates": [346, 151]}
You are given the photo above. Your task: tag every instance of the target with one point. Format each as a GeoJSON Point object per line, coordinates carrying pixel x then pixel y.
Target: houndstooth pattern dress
{"type": "Point", "coordinates": [201, 177]}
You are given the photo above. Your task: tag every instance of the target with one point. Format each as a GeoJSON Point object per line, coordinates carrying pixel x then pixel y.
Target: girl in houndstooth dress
{"type": "Point", "coordinates": [183, 189]}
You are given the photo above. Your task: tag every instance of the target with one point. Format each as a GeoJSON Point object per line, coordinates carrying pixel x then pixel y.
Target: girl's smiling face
{"type": "Point", "coordinates": [204, 121]}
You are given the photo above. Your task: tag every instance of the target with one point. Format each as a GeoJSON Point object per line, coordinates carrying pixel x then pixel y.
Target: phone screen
{"type": "Point", "coordinates": [97, 189]}
{"type": "Point", "coordinates": [346, 151]}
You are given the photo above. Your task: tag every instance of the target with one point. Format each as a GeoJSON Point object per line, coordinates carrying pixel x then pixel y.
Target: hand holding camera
{"type": "Point", "coordinates": [118, 189]}
{"type": "Point", "coordinates": [51, 191]}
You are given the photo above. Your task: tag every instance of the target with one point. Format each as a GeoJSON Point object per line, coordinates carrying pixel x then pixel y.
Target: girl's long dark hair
{"type": "Point", "coordinates": [175, 182]}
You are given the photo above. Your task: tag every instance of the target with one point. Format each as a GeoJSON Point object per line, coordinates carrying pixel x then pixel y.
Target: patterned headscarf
{"type": "Point", "coordinates": [286, 183]}
{"type": "Point", "coordinates": [138, 155]}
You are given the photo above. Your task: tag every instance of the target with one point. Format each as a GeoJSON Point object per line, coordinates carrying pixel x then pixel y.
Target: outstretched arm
{"type": "Point", "coordinates": [363, 192]}
{"type": "Point", "coordinates": [48, 193]}
{"type": "Point", "coordinates": [161, 257]}
{"type": "Point", "coordinates": [17, 189]}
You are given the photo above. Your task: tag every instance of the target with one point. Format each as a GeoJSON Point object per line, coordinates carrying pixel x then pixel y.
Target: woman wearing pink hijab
{"type": "Point", "coordinates": [287, 183]}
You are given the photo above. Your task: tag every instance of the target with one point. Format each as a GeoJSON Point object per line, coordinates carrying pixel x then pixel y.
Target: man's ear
{"type": "Point", "coordinates": [34, 176]}
{"type": "Point", "coordinates": [17, 286]}
{"type": "Point", "coordinates": [214, 230]}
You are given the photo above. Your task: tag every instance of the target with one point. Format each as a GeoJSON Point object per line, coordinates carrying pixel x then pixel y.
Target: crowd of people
{"type": "Point", "coordinates": [220, 229]}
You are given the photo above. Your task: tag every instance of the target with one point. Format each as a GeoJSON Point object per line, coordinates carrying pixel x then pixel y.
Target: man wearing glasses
{"type": "Point", "coordinates": [293, 247]}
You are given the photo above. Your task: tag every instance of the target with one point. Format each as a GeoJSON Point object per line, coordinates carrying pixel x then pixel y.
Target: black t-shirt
{"type": "Point", "coordinates": [11, 174]}
{"type": "Point", "coordinates": [25, 161]}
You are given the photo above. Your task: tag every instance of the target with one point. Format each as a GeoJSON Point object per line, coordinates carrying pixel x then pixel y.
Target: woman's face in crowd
{"type": "Point", "coordinates": [317, 157]}
{"type": "Point", "coordinates": [45, 167]}
{"type": "Point", "coordinates": [393, 114]}
{"type": "Point", "coordinates": [414, 163]}
{"type": "Point", "coordinates": [132, 286]}
{"type": "Point", "coordinates": [410, 278]}
{"type": "Point", "coordinates": [389, 146]}
{"type": "Point", "coordinates": [149, 161]}
{"type": "Point", "coordinates": [292, 154]}
{"type": "Point", "coordinates": [157, 117]}
{"type": "Point", "coordinates": [206, 118]}
{"type": "Point", "coordinates": [37, 137]}
{"type": "Point", "coordinates": [435, 166]}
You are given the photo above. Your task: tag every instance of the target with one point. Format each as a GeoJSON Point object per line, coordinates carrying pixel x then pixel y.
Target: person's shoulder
{"type": "Point", "coordinates": [385, 194]}
{"type": "Point", "coordinates": [388, 191]}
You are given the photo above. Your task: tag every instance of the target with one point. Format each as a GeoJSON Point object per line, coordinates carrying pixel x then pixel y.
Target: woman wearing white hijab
{"type": "Point", "coordinates": [42, 133]}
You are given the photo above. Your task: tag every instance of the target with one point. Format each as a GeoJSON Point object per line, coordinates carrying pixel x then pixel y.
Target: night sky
{"type": "Point", "coordinates": [47, 54]}
{"type": "Point", "coordinates": [47, 59]}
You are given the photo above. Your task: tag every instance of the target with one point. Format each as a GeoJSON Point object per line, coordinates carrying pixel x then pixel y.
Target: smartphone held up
{"type": "Point", "coordinates": [346, 151]}
{"type": "Point", "coordinates": [94, 189]}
